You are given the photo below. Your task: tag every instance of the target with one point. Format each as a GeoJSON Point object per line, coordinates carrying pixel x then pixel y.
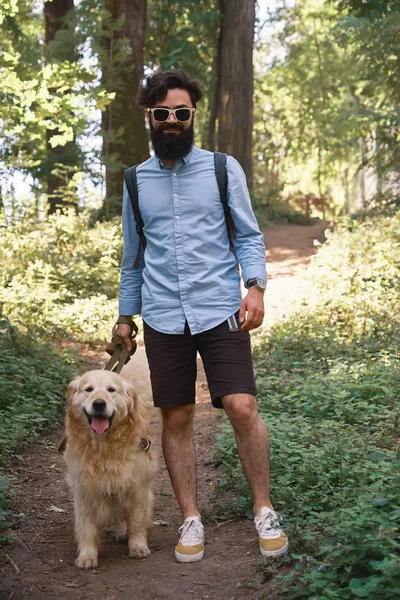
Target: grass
{"type": "Point", "coordinates": [33, 379]}
{"type": "Point", "coordinates": [329, 383]}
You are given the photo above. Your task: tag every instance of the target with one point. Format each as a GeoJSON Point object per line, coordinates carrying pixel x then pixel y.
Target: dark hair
{"type": "Point", "coordinates": [156, 87]}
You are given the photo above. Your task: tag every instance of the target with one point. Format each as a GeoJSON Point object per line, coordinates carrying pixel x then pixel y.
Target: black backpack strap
{"type": "Point", "coordinates": [222, 180]}
{"type": "Point", "coordinates": [131, 184]}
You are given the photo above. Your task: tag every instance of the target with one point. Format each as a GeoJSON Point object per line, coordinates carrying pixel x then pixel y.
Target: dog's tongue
{"type": "Point", "coordinates": [99, 425]}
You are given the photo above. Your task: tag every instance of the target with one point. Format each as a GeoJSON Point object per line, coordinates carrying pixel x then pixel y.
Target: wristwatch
{"type": "Point", "coordinates": [260, 284]}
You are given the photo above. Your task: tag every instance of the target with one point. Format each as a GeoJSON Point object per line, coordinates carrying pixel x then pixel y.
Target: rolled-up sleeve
{"type": "Point", "coordinates": [249, 243]}
{"type": "Point", "coordinates": [130, 291]}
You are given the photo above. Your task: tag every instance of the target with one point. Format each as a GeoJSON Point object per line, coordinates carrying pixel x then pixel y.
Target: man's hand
{"type": "Point", "coordinates": [253, 305]}
{"type": "Point", "coordinates": [124, 331]}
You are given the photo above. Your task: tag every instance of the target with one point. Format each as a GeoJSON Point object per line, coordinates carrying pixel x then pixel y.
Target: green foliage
{"type": "Point", "coordinates": [306, 116]}
{"type": "Point", "coordinates": [325, 103]}
{"type": "Point", "coordinates": [329, 380]}
{"type": "Point", "coordinates": [370, 29]}
{"type": "Point", "coordinates": [60, 277]}
{"type": "Point", "coordinates": [326, 98]}
{"type": "Point", "coordinates": [40, 95]}
{"type": "Point", "coordinates": [33, 380]}
{"type": "Point", "coordinates": [192, 47]}
{"type": "Point", "coordinates": [4, 513]}
{"type": "Point", "coordinates": [270, 209]}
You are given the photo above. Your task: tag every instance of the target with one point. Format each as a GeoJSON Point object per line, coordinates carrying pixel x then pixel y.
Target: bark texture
{"type": "Point", "coordinates": [125, 140]}
{"type": "Point", "coordinates": [60, 46]}
{"type": "Point", "coordinates": [215, 103]}
{"type": "Point", "coordinates": [235, 87]}
{"type": "Point", "coordinates": [55, 14]}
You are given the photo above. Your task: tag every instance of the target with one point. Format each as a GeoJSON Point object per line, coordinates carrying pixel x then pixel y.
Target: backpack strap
{"type": "Point", "coordinates": [222, 181]}
{"type": "Point", "coordinates": [131, 184]}
{"type": "Point", "coordinates": [221, 174]}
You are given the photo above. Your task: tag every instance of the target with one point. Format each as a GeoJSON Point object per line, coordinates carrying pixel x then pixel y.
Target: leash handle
{"type": "Point", "coordinates": [117, 349]}
{"type": "Point", "coordinates": [127, 321]}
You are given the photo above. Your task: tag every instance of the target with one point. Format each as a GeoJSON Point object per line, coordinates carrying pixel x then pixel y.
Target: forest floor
{"type": "Point", "coordinates": [40, 563]}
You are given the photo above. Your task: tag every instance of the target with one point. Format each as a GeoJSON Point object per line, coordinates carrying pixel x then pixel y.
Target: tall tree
{"type": "Point", "coordinates": [42, 90]}
{"type": "Point", "coordinates": [192, 47]}
{"type": "Point", "coordinates": [62, 159]}
{"type": "Point", "coordinates": [235, 85]}
{"type": "Point", "coordinates": [371, 29]}
{"type": "Point", "coordinates": [125, 140]}
{"type": "Point", "coordinates": [306, 128]}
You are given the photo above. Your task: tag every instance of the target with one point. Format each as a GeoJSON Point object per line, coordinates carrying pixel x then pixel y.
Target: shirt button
{"type": "Point", "coordinates": [175, 195]}
{"type": "Point", "coordinates": [174, 174]}
{"type": "Point", "coordinates": [177, 217]}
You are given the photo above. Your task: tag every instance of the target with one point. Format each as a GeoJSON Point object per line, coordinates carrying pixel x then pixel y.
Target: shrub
{"type": "Point", "coordinates": [329, 382]}
{"type": "Point", "coordinates": [33, 380]}
{"type": "Point", "coordinates": [60, 277]}
{"type": "Point", "coordinates": [272, 209]}
{"type": "Point", "coordinates": [4, 512]}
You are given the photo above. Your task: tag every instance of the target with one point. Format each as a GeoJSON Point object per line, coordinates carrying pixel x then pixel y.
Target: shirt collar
{"type": "Point", "coordinates": [185, 159]}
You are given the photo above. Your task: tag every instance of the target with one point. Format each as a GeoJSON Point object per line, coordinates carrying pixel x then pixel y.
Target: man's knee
{"type": "Point", "coordinates": [240, 408]}
{"type": "Point", "coordinates": [178, 418]}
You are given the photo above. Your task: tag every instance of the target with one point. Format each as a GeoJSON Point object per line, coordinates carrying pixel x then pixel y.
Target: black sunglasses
{"type": "Point", "coordinates": [162, 114]}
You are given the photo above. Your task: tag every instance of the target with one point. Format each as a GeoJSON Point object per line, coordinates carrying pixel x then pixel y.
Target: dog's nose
{"type": "Point", "coordinates": [99, 405]}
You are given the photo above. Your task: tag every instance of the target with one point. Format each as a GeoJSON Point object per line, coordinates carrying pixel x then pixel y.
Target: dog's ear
{"type": "Point", "coordinates": [132, 401]}
{"type": "Point", "coordinates": [72, 389]}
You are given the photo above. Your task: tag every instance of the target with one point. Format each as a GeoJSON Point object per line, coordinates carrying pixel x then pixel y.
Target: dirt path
{"type": "Point", "coordinates": [40, 564]}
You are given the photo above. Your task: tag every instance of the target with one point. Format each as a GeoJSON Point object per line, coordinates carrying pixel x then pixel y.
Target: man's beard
{"type": "Point", "coordinates": [171, 146]}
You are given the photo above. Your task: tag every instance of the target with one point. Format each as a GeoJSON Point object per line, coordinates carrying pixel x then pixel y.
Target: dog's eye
{"type": "Point", "coordinates": [89, 388]}
{"type": "Point", "coordinates": [111, 389]}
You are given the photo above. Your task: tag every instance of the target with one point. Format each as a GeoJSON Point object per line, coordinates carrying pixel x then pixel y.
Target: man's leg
{"type": "Point", "coordinates": [252, 444]}
{"type": "Point", "coordinates": [172, 362]}
{"type": "Point", "coordinates": [180, 456]}
{"type": "Point", "coordinates": [253, 449]}
{"type": "Point", "coordinates": [228, 364]}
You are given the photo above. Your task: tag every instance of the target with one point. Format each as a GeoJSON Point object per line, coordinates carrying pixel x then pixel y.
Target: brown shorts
{"type": "Point", "coordinates": [226, 358]}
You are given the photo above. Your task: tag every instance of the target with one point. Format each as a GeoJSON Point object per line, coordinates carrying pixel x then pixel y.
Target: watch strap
{"type": "Point", "coordinates": [256, 282]}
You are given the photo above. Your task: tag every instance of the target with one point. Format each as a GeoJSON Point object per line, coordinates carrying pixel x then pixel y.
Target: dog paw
{"type": "Point", "coordinates": [139, 551]}
{"type": "Point", "coordinates": [86, 561]}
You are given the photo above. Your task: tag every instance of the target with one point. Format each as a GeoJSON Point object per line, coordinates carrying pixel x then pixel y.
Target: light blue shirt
{"type": "Point", "coordinates": [187, 271]}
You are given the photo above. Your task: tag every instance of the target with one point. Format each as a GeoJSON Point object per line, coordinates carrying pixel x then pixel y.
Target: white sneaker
{"type": "Point", "coordinates": [190, 547]}
{"type": "Point", "coordinates": [272, 541]}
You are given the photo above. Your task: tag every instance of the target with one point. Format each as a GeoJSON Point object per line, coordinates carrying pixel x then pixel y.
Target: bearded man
{"type": "Point", "coordinates": [187, 289]}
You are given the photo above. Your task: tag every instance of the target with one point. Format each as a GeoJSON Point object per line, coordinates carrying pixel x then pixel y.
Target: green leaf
{"type": "Point", "coordinates": [378, 456]}
{"type": "Point", "coordinates": [357, 588]}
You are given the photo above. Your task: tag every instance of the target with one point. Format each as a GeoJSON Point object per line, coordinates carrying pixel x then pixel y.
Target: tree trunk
{"type": "Point", "coordinates": [215, 101]}
{"type": "Point", "coordinates": [362, 173]}
{"type": "Point", "coordinates": [346, 191]}
{"type": "Point", "coordinates": [378, 163]}
{"type": "Point", "coordinates": [235, 111]}
{"type": "Point", "coordinates": [125, 140]}
{"type": "Point", "coordinates": [319, 168]}
{"type": "Point", "coordinates": [61, 161]}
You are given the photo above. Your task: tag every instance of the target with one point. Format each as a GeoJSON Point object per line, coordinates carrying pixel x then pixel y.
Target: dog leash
{"type": "Point", "coordinates": [117, 349]}
{"type": "Point", "coordinates": [119, 356]}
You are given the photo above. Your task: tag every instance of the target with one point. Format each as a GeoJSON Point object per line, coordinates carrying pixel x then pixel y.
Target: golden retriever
{"type": "Point", "coordinates": [111, 464]}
